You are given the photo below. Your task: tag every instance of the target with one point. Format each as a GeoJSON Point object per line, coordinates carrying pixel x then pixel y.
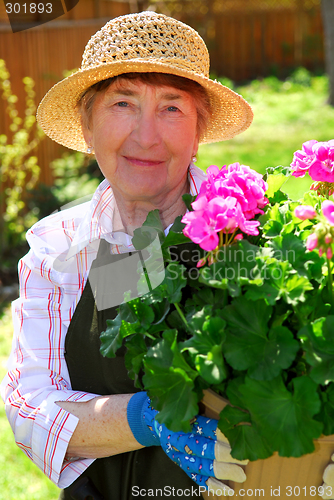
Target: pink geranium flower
{"type": "Point", "coordinates": [239, 181]}
{"type": "Point", "coordinates": [304, 212]}
{"type": "Point", "coordinates": [302, 160]}
{"type": "Point", "coordinates": [328, 211]}
{"type": "Point", "coordinates": [322, 167]}
{"type": "Point", "coordinates": [226, 201]}
{"type": "Point", "coordinates": [316, 158]}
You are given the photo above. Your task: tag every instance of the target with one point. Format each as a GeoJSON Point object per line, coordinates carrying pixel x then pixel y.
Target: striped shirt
{"type": "Point", "coordinates": [52, 277]}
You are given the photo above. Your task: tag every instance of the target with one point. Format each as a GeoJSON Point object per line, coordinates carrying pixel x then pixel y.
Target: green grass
{"type": "Point", "coordinates": [20, 479]}
{"type": "Point", "coordinates": [286, 114]}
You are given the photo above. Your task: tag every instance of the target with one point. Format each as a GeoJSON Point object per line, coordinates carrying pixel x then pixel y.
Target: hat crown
{"type": "Point", "coordinates": [148, 36]}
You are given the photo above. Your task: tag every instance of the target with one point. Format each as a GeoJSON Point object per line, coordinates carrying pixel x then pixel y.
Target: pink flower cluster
{"type": "Point", "coordinates": [226, 202]}
{"type": "Point", "coordinates": [323, 235]}
{"type": "Point", "coordinates": [316, 158]}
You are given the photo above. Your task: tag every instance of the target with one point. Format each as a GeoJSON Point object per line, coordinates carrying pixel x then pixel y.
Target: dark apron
{"type": "Point", "coordinates": [120, 477]}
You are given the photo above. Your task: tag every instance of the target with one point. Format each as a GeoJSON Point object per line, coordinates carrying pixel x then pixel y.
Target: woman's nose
{"type": "Point", "coordinates": [146, 132]}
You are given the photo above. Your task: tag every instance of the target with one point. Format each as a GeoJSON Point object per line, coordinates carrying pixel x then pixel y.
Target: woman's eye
{"type": "Point", "coordinates": [122, 104]}
{"type": "Point", "coordinates": [172, 108]}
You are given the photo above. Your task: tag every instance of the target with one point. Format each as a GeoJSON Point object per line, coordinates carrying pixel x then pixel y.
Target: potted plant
{"type": "Point", "coordinates": [249, 316]}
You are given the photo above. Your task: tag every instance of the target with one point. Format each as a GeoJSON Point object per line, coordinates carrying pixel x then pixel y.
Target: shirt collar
{"type": "Point", "coordinates": [97, 222]}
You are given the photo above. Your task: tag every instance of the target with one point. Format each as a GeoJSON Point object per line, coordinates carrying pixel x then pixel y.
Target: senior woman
{"type": "Point", "coordinates": [141, 102]}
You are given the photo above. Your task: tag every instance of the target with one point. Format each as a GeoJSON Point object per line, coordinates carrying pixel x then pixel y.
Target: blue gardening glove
{"type": "Point", "coordinates": [203, 453]}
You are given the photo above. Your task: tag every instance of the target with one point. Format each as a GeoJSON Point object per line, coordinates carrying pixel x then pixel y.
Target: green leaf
{"type": "Point", "coordinates": [205, 346]}
{"type": "Point", "coordinates": [236, 266]}
{"type": "Point", "coordinates": [277, 353]}
{"type": "Point", "coordinates": [169, 381]}
{"type": "Point", "coordinates": [245, 440]}
{"type": "Point", "coordinates": [174, 280]}
{"type": "Point", "coordinates": [280, 169]}
{"type": "Point", "coordinates": [284, 418]}
{"type": "Point", "coordinates": [294, 288]}
{"type": "Point", "coordinates": [112, 338]}
{"type": "Point", "coordinates": [277, 218]}
{"type": "Point", "coordinates": [160, 309]}
{"type": "Point", "coordinates": [266, 291]}
{"type": "Point", "coordinates": [136, 310]}
{"type": "Point", "coordinates": [134, 356]}
{"type": "Point", "coordinates": [275, 181]}
{"type": "Point", "coordinates": [280, 281]}
{"type": "Point", "coordinates": [311, 198]}
{"type": "Point", "coordinates": [248, 317]}
{"type": "Point", "coordinates": [146, 234]}
{"type": "Point", "coordinates": [326, 414]}
{"type": "Point", "coordinates": [318, 343]}
{"type": "Point", "coordinates": [188, 199]}
{"type": "Point", "coordinates": [278, 197]}
{"type": "Point", "coordinates": [292, 248]}
{"type": "Point", "coordinates": [251, 346]}
{"type": "Point", "coordinates": [175, 235]}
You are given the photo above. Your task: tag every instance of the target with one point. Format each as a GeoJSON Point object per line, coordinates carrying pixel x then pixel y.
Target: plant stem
{"type": "Point", "coordinates": [221, 243]}
{"type": "Point", "coordinates": [330, 283]}
{"type": "Point", "coordinates": [178, 308]}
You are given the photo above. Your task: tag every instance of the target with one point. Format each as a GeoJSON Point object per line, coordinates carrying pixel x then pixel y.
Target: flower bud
{"type": "Point", "coordinates": [304, 212]}
{"type": "Point", "coordinates": [201, 262]}
{"type": "Point", "coordinates": [238, 237]}
{"type": "Point", "coordinates": [328, 238]}
{"type": "Point", "coordinates": [312, 242]}
{"type": "Point", "coordinates": [321, 251]}
{"type": "Point", "coordinates": [211, 259]}
{"type": "Point", "coordinates": [329, 253]}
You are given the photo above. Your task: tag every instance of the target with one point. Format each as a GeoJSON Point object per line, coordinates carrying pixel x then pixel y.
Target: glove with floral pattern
{"type": "Point", "coordinates": [203, 453]}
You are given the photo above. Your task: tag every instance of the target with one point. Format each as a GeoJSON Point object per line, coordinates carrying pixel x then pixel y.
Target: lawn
{"type": "Point", "coordinates": [286, 114]}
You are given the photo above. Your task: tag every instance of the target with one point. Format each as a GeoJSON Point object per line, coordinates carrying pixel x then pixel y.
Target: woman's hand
{"type": "Point", "coordinates": [203, 453]}
{"type": "Point", "coordinates": [102, 429]}
{"type": "Point", "coordinates": [328, 478]}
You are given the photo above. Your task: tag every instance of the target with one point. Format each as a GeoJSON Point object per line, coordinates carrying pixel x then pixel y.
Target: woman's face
{"type": "Point", "coordinates": [143, 137]}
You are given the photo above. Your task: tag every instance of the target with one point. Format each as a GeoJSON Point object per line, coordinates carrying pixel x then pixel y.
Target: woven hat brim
{"type": "Point", "coordinates": [58, 116]}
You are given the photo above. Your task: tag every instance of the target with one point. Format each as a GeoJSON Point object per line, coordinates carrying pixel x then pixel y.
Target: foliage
{"type": "Point", "coordinates": [286, 114]}
{"type": "Point", "coordinates": [18, 166]}
{"type": "Point", "coordinates": [255, 324]}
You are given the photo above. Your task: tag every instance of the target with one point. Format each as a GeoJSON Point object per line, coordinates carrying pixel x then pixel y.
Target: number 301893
{"type": "Point", "coordinates": [32, 8]}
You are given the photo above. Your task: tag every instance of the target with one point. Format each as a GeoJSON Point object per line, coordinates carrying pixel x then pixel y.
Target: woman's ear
{"type": "Point", "coordinates": [86, 131]}
{"type": "Point", "coordinates": [195, 148]}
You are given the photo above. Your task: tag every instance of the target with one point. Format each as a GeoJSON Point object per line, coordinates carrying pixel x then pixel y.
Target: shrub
{"type": "Point", "coordinates": [19, 171]}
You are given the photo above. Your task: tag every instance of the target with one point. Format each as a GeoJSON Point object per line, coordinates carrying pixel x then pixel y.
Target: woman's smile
{"type": "Point", "coordinates": [143, 162]}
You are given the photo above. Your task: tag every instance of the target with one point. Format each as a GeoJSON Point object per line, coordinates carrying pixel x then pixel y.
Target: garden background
{"type": "Point", "coordinates": [270, 51]}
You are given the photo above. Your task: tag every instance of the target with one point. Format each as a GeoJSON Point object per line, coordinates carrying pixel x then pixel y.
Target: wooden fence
{"type": "Point", "coordinates": [246, 39]}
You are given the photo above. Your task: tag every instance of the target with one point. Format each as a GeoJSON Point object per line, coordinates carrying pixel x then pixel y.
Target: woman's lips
{"type": "Point", "coordinates": [143, 162]}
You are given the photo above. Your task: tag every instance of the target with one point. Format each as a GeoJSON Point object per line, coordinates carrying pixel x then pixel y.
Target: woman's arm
{"type": "Point", "coordinates": [103, 428]}
{"type": "Point", "coordinates": [37, 372]}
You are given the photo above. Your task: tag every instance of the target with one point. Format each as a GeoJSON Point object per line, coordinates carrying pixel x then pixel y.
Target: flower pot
{"type": "Point", "coordinates": [277, 476]}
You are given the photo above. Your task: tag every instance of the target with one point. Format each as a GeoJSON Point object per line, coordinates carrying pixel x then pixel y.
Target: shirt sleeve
{"type": "Point", "coordinates": [37, 372]}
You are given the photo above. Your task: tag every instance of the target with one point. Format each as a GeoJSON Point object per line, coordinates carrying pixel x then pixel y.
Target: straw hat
{"type": "Point", "coordinates": [143, 42]}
